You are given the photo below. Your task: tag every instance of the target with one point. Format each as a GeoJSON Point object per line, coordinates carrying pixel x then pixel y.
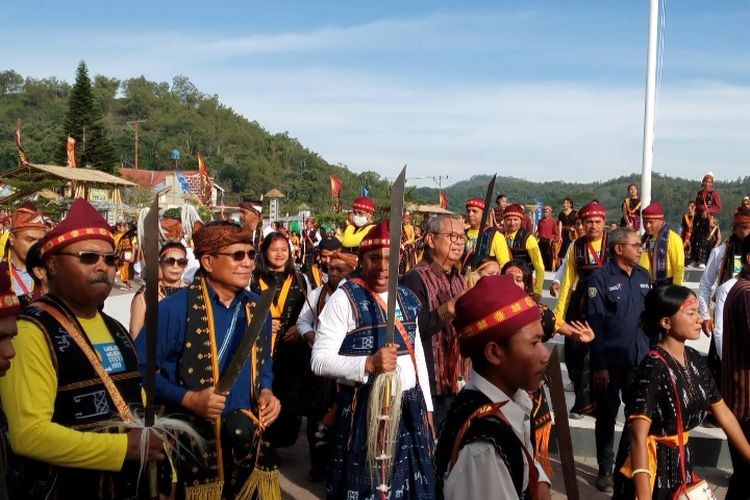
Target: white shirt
{"type": "Point", "coordinates": [479, 473]}
{"type": "Point", "coordinates": [560, 271]}
{"type": "Point", "coordinates": [335, 321]}
{"type": "Point", "coordinates": [708, 280]}
{"type": "Point", "coordinates": [308, 319]}
{"type": "Point", "coordinates": [193, 264]}
{"type": "Point", "coordinates": [721, 296]}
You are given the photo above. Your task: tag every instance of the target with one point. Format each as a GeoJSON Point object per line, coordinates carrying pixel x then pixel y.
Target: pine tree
{"type": "Point", "coordinates": [83, 123]}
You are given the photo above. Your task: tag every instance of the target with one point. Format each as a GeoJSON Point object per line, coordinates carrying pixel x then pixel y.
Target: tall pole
{"type": "Point", "coordinates": [648, 119]}
{"type": "Point", "coordinates": [134, 125]}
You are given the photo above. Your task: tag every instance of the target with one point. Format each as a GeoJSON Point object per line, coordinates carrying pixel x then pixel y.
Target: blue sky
{"type": "Point", "coordinates": [539, 90]}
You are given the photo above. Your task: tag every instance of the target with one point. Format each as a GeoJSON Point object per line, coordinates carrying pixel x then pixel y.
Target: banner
{"type": "Point", "coordinates": [336, 186]}
{"type": "Point", "coordinates": [71, 152]}
{"type": "Point", "coordinates": [183, 182]}
{"type": "Point", "coordinates": [365, 191]}
{"type": "Point", "coordinates": [205, 195]}
{"type": "Point", "coordinates": [23, 158]}
{"type": "Point", "coordinates": [443, 200]}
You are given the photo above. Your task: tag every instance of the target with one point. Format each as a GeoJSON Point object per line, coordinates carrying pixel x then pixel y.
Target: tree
{"type": "Point", "coordinates": [83, 123]}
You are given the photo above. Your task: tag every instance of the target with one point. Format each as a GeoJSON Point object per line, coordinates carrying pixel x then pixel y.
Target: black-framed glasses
{"type": "Point", "coordinates": [171, 261]}
{"type": "Point", "coordinates": [89, 258]}
{"type": "Point", "coordinates": [455, 237]}
{"type": "Point", "coordinates": [239, 255]}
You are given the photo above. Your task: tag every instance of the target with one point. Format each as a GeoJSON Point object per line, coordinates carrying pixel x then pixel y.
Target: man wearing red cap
{"type": "Point", "coordinates": [523, 245]}
{"type": "Point", "coordinates": [350, 345]}
{"type": "Point", "coordinates": [9, 309]}
{"type": "Point", "coordinates": [27, 227]}
{"type": "Point", "coordinates": [584, 256]}
{"type": "Point", "coordinates": [359, 223]}
{"type": "Point", "coordinates": [75, 372]}
{"type": "Point", "coordinates": [485, 449]}
{"type": "Point", "coordinates": [498, 246]}
{"type": "Point", "coordinates": [664, 257]}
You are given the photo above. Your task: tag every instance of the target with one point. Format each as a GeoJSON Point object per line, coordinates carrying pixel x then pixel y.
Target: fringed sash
{"type": "Point", "coordinates": [657, 255]}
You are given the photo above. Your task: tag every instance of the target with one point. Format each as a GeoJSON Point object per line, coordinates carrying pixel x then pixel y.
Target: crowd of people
{"type": "Point", "coordinates": [454, 406]}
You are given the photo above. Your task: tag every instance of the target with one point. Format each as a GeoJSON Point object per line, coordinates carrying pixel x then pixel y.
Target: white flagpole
{"type": "Point", "coordinates": [648, 119]}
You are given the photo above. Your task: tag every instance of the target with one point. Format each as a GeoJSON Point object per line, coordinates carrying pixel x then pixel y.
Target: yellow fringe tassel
{"type": "Point", "coordinates": [266, 483]}
{"type": "Point", "coordinates": [541, 448]}
{"type": "Point", "coordinates": [206, 491]}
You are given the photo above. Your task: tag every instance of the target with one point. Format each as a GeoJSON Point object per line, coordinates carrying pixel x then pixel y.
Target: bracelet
{"type": "Point", "coordinates": [638, 471]}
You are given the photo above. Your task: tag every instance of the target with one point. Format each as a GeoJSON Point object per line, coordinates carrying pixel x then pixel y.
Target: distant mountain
{"type": "Point", "coordinates": [672, 192]}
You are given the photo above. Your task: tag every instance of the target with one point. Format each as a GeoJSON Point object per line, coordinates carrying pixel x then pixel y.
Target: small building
{"type": "Point", "coordinates": [166, 183]}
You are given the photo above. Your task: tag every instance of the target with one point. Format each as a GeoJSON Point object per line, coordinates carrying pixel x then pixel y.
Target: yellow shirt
{"type": "Point", "coordinates": [498, 248]}
{"type": "Point", "coordinates": [3, 242]}
{"type": "Point", "coordinates": [28, 393]}
{"type": "Point", "coordinates": [569, 280]}
{"type": "Point", "coordinates": [353, 236]}
{"type": "Point", "coordinates": [675, 258]}
{"type": "Point", "coordinates": [532, 246]}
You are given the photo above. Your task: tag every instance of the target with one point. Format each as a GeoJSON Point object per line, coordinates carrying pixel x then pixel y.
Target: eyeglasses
{"type": "Point", "coordinates": [89, 258]}
{"type": "Point", "coordinates": [455, 237]}
{"type": "Point", "coordinates": [171, 261]}
{"type": "Point", "coordinates": [636, 246]}
{"type": "Point", "coordinates": [239, 255]}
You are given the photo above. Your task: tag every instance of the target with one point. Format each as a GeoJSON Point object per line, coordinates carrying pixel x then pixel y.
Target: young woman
{"type": "Point", "coordinates": [707, 202]}
{"type": "Point", "coordinates": [631, 209]}
{"type": "Point", "coordinates": [671, 313]}
{"type": "Point", "coordinates": [172, 263]}
{"type": "Point", "coordinates": [291, 354]}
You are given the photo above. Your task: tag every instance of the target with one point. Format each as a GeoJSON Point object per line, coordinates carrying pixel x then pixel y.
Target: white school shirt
{"type": "Point", "coordinates": [708, 279]}
{"type": "Point", "coordinates": [480, 473]}
{"type": "Point", "coordinates": [721, 297]}
{"type": "Point", "coordinates": [335, 321]}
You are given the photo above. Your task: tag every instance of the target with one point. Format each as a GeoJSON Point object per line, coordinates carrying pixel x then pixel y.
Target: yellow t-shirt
{"type": "Point", "coordinates": [675, 258]}
{"type": "Point", "coordinates": [537, 263]}
{"type": "Point", "coordinates": [28, 393]}
{"type": "Point", "coordinates": [498, 248]}
{"type": "Point", "coordinates": [569, 280]}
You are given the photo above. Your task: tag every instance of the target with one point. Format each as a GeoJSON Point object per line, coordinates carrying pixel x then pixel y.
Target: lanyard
{"type": "Point", "coordinates": [595, 254]}
{"type": "Point", "coordinates": [18, 279]}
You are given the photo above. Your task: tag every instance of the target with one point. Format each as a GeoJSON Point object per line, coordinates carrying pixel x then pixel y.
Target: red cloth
{"type": "Point", "coordinates": [592, 210]}
{"type": "Point", "coordinates": [27, 217]}
{"type": "Point", "coordinates": [365, 204]}
{"type": "Point", "coordinates": [377, 237]}
{"type": "Point", "coordinates": [475, 202]}
{"type": "Point", "coordinates": [83, 222]}
{"type": "Point", "coordinates": [653, 212]}
{"type": "Point", "coordinates": [9, 305]}
{"type": "Point", "coordinates": [514, 210]}
{"type": "Point", "coordinates": [546, 229]}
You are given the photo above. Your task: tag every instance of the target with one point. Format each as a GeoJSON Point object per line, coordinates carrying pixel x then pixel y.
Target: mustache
{"type": "Point", "coordinates": [102, 278]}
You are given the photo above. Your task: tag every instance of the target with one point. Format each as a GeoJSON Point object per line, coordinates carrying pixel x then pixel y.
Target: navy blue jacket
{"type": "Point", "coordinates": [614, 302]}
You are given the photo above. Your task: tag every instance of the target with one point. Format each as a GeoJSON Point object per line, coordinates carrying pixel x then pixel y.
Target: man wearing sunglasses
{"type": "Point", "coordinates": [200, 328]}
{"type": "Point", "coordinates": [75, 371]}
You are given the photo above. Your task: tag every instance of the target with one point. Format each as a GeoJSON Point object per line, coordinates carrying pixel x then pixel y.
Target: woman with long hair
{"type": "Point", "coordinates": [673, 386]}
{"type": "Point", "coordinates": [631, 209]}
{"type": "Point", "coordinates": [291, 354]}
{"type": "Point", "coordinates": [172, 263]}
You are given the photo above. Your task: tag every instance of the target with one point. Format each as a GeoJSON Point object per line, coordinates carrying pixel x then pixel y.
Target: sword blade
{"type": "Point", "coordinates": [482, 246]}
{"type": "Point", "coordinates": [397, 210]}
{"type": "Point", "coordinates": [151, 296]}
{"type": "Point", "coordinates": [564, 440]}
{"type": "Point", "coordinates": [252, 332]}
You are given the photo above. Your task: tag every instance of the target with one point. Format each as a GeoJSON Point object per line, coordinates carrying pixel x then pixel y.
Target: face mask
{"type": "Point", "coordinates": [359, 220]}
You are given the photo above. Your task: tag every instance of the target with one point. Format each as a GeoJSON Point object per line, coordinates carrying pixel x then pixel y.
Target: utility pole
{"type": "Point", "coordinates": [134, 125]}
{"type": "Point", "coordinates": [648, 118]}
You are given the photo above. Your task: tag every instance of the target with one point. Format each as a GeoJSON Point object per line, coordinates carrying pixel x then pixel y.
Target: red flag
{"type": "Point", "coordinates": [71, 152]}
{"type": "Point", "coordinates": [23, 158]}
{"type": "Point", "coordinates": [205, 195]}
{"type": "Point", "coordinates": [336, 186]}
{"type": "Point", "coordinates": [443, 200]}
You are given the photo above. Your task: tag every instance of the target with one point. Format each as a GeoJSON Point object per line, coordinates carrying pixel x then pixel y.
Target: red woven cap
{"type": "Point", "coordinates": [653, 212]}
{"type": "Point", "coordinates": [377, 237]}
{"type": "Point", "coordinates": [475, 202]}
{"type": "Point", "coordinates": [365, 204]}
{"type": "Point", "coordinates": [592, 210]}
{"type": "Point", "coordinates": [495, 308]}
{"type": "Point", "coordinates": [27, 217]}
{"type": "Point", "coordinates": [9, 305]}
{"type": "Point", "coordinates": [83, 222]}
{"type": "Point", "coordinates": [514, 210]}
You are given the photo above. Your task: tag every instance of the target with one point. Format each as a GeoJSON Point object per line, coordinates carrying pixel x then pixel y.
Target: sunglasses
{"type": "Point", "coordinates": [90, 258]}
{"type": "Point", "coordinates": [239, 255]}
{"type": "Point", "coordinates": [171, 261]}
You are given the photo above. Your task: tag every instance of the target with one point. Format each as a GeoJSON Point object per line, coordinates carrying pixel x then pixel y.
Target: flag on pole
{"type": "Point", "coordinates": [183, 182]}
{"type": "Point", "coordinates": [443, 200]}
{"type": "Point", "coordinates": [365, 191]}
{"type": "Point", "coordinates": [205, 195]}
{"type": "Point", "coordinates": [71, 152]}
{"type": "Point", "coordinates": [23, 158]}
{"type": "Point", "coordinates": [336, 186]}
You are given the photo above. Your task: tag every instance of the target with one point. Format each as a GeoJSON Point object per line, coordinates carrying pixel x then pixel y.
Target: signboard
{"type": "Point", "coordinates": [98, 195]}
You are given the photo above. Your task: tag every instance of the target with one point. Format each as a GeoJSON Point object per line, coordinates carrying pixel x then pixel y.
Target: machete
{"type": "Point", "coordinates": [483, 244]}
{"type": "Point", "coordinates": [233, 369]}
{"type": "Point", "coordinates": [562, 426]}
{"type": "Point", "coordinates": [397, 210]}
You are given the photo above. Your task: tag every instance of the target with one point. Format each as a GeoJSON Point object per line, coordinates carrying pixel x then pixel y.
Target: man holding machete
{"type": "Point", "coordinates": [200, 328]}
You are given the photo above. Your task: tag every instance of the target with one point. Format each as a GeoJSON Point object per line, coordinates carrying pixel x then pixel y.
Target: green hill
{"type": "Point", "coordinates": [244, 157]}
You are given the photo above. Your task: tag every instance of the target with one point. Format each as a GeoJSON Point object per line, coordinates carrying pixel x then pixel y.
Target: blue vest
{"type": "Point", "coordinates": [369, 334]}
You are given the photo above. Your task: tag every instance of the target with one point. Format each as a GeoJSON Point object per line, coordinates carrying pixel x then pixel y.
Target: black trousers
{"type": "Point", "coordinates": [545, 247]}
{"type": "Point", "coordinates": [607, 405]}
{"type": "Point", "coordinates": [739, 483]}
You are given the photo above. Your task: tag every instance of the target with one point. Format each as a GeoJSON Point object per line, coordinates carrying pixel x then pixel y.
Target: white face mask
{"type": "Point", "coordinates": [359, 220]}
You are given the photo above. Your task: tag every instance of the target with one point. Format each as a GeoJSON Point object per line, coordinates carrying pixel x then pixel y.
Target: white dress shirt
{"type": "Point", "coordinates": [721, 296]}
{"type": "Point", "coordinates": [308, 318]}
{"type": "Point", "coordinates": [335, 321]}
{"type": "Point", "coordinates": [480, 473]}
{"type": "Point", "coordinates": [708, 280]}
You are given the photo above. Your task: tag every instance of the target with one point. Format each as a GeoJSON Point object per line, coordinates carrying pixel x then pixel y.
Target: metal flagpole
{"type": "Point", "coordinates": [648, 119]}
